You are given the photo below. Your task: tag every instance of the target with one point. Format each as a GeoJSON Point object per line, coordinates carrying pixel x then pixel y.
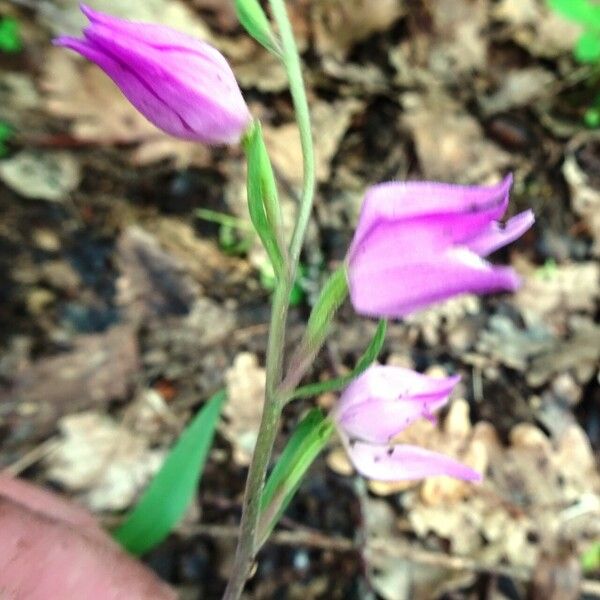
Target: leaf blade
{"type": "Point", "coordinates": [364, 362]}
{"type": "Point", "coordinates": [166, 499]}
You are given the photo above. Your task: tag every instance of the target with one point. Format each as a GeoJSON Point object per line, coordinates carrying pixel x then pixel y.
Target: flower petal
{"type": "Point", "coordinates": [403, 462]}
{"type": "Point", "coordinates": [384, 400]}
{"type": "Point", "coordinates": [391, 203]}
{"type": "Point", "coordinates": [182, 85]}
{"type": "Point", "coordinates": [183, 95]}
{"type": "Point", "coordinates": [387, 286]}
{"type": "Point", "coordinates": [498, 235]}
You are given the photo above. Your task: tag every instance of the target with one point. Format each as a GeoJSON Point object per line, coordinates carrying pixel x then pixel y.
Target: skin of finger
{"type": "Point", "coordinates": [42, 557]}
{"type": "Point", "coordinates": [52, 505]}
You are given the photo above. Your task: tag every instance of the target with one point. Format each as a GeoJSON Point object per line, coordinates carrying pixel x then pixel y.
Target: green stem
{"type": "Point", "coordinates": [291, 61]}
{"type": "Point", "coordinates": [273, 401]}
{"type": "Point", "coordinates": [264, 444]}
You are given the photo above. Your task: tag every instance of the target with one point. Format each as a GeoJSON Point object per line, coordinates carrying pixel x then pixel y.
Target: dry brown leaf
{"type": "Point", "coordinates": [530, 492]}
{"type": "Point", "coordinates": [552, 295]}
{"type": "Point", "coordinates": [153, 283]}
{"type": "Point", "coordinates": [41, 175]}
{"type": "Point", "coordinates": [450, 143]}
{"type": "Point", "coordinates": [519, 87]}
{"type": "Point", "coordinates": [245, 396]}
{"type": "Point", "coordinates": [536, 27]}
{"type": "Point", "coordinates": [585, 192]}
{"type": "Point", "coordinates": [459, 45]}
{"type": "Point", "coordinates": [449, 318]}
{"type": "Point", "coordinates": [340, 24]}
{"type": "Point", "coordinates": [105, 464]}
{"type": "Point", "coordinates": [100, 368]}
{"type": "Point", "coordinates": [329, 123]}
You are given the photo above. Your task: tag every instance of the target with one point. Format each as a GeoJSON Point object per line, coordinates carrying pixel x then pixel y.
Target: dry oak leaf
{"type": "Point", "coordinates": [105, 464]}
{"type": "Point", "coordinates": [245, 396]}
{"type": "Point", "coordinates": [450, 143]}
{"type": "Point", "coordinates": [341, 24]}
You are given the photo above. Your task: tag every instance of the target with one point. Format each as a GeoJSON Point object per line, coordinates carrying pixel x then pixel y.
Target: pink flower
{"type": "Point", "coordinates": [377, 406]}
{"type": "Point", "coordinates": [182, 85]}
{"type": "Point", "coordinates": [420, 242]}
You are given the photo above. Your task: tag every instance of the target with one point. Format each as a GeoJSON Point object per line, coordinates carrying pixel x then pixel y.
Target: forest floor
{"type": "Point", "coordinates": [123, 307]}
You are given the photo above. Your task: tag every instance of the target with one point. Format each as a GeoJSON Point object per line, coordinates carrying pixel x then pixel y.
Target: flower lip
{"type": "Point", "coordinates": [371, 411]}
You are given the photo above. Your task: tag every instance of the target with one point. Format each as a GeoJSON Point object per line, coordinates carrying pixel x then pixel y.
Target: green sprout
{"type": "Point", "coordinates": [268, 282]}
{"type": "Point", "coordinates": [235, 235]}
{"type": "Point", "coordinates": [6, 133]}
{"type": "Point", "coordinates": [10, 35]}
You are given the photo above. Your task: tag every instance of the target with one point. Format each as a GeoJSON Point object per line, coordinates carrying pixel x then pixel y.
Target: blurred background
{"type": "Point", "coordinates": [132, 289]}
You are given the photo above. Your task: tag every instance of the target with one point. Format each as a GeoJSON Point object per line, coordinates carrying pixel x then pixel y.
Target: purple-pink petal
{"type": "Point", "coordinates": [498, 235]}
{"type": "Point", "coordinates": [396, 288]}
{"type": "Point", "coordinates": [182, 85]}
{"type": "Point", "coordinates": [391, 203]}
{"type": "Point", "coordinates": [384, 400]}
{"type": "Point", "coordinates": [404, 462]}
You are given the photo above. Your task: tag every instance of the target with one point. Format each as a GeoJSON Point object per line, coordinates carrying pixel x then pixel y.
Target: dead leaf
{"type": "Point", "coordinates": [100, 368]}
{"type": "Point", "coordinates": [552, 295]}
{"type": "Point", "coordinates": [519, 87]}
{"type": "Point", "coordinates": [533, 25]}
{"type": "Point", "coordinates": [153, 283]}
{"type": "Point", "coordinates": [243, 409]}
{"type": "Point", "coordinates": [284, 147]}
{"type": "Point", "coordinates": [103, 463]}
{"type": "Point", "coordinates": [459, 46]}
{"type": "Point", "coordinates": [450, 143]}
{"type": "Point", "coordinates": [583, 184]}
{"type": "Point", "coordinates": [339, 25]}
{"type": "Point", "coordinates": [41, 175]}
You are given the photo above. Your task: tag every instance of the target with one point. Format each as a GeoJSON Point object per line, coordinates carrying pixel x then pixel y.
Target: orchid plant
{"type": "Point", "coordinates": [415, 244]}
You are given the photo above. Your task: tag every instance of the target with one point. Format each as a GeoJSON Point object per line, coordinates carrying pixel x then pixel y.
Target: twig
{"type": "Point", "coordinates": [317, 540]}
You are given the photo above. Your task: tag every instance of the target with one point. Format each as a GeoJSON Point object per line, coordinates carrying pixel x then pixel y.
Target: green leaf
{"type": "Point", "coordinates": [307, 441]}
{"type": "Point", "coordinates": [364, 362]}
{"type": "Point", "coordinates": [252, 17]}
{"type": "Point", "coordinates": [263, 201]}
{"type": "Point", "coordinates": [580, 11]}
{"type": "Point", "coordinates": [169, 494]}
{"type": "Point", "coordinates": [590, 559]}
{"type": "Point", "coordinates": [332, 296]}
{"type": "Point", "coordinates": [587, 49]}
{"type": "Point", "coordinates": [6, 132]}
{"type": "Point", "coordinates": [10, 36]}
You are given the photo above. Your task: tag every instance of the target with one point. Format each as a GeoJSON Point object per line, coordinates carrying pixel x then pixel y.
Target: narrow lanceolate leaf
{"type": "Point", "coordinates": [364, 362]}
{"type": "Point", "coordinates": [263, 201]}
{"type": "Point", "coordinates": [169, 494]}
{"type": "Point", "coordinates": [307, 441]}
{"type": "Point", "coordinates": [252, 17]}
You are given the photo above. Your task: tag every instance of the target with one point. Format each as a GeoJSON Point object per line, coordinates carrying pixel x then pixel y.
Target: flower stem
{"type": "Point", "coordinates": [274, 400]}
{"type": "Point", "coordinates": [264, 445]}
{"type": "Point", "coordinates": [291, 61]}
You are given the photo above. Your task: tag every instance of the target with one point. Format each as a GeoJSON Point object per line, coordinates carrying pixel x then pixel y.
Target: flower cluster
{"type": "Point", "coordinates": [416, 243]}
